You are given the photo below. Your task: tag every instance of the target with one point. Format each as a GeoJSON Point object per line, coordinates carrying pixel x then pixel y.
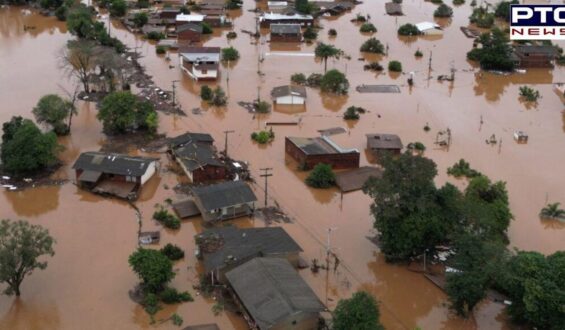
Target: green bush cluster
{"type": "Point", "coordinates": [166, 219]}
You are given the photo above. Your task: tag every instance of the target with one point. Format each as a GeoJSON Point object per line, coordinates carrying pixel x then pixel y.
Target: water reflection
{"type": "Point", "coordinates": [34, 202]}
{"type": "Point", "coordinates": [26, 315]}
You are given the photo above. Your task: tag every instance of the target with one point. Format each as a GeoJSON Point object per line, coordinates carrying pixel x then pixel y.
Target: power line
{"type": "Point", "coordinates": [266, 175]}
{"type": "Point", "coordinates": [226, 142]}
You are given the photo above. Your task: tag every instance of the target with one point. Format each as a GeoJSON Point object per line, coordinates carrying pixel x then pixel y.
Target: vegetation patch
{"type": "Point", "coordinates": [322, 176]}
{"type": "Point", "coordinates": [463, 169]}
{"type": "Point", "coordinates": [263, 137]}
{"type": "Point", "coordinates": [166, 218]}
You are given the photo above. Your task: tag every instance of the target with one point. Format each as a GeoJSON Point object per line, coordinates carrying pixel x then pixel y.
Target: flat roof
{"type": "Point", "coordinates": [319, 146]}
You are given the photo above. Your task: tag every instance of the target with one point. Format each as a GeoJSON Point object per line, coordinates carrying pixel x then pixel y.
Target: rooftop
{"type": "Point", "coordinates": [288, 90]}
{"type": "Point", "coordinates": [197, 155]}
{"type": "Point", "coordinates": [536, 49]}
{"type": "Point", "coordinates": [200, 54]}
{"type": "Point", "coordinates": [392, 8]}
{"type": "Point", "coordinates": [190, 138]}
{"type": "Point", "coordinates": [116, 164]}
{"type": "Point", "coordinates": [319, 146]}
{"type": "Point", "coordinates": [384, 141]}
{"type": "Point", "coordinates": [219, 195]}
{"type": "Point", "coordinates": [190, 18]}
{"type": "Point", "coordinates": [274, 16]}
{"type": "Point", "coordinates": [285, 28]}
{"type": "Point", "coordinates": [190, 26]}
{"type": "Point", "coordinates": [271, 290]}
{"type": "Point", "coordinates": [241, 244]}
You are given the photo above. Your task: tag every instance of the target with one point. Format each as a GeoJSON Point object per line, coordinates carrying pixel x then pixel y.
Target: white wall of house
{"type": "Point", "coordinates": [290, 99]}
{"type": "Point", "coordinates": [151, 169]}
{"type": "Point", "coordinates": [208, 74]}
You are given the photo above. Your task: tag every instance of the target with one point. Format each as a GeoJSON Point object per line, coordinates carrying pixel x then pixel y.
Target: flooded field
{"type": "Point", "coordinates": [87, 282]}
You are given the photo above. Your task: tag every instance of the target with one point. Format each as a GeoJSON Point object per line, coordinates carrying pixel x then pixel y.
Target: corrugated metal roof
{"type": "Point", "coordinates": [225, 194]}
{"type": "Point", "coordinates": [116, 164]}
{"type": "Point", "coordinates": [384, 141]}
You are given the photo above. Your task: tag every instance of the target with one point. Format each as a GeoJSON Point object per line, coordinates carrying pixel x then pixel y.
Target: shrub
{"type": "Point", "coordinates": [322, 176]}
{"type": "Point", "coordinates": [154, 35]}
{"type": "Point", "coordinates": [408, 30]}
{"type": "Point", "coordinates": [231, 35]}
{"type": "Point", "coordinates": [151, 304]}
{"type": "Point", "coordinates": [263, 137]}
{"type": "Point", "coordinates": [310, 34]}
{"type": "Point", "coordinates": [529, 94]}
{"type": "Point", "coordinates": [394, 66]}
{"type": "Point", "coordinates": [458, 2]}
{"type": "Point", "coordinates": [262, 107]}
{"type": "Point", "coordinates": [397, 1]}
{"type": "Point", "coordinates": [177, 319]}
{"type": "Point", "coordinates": [360, 18]}
{"type": "Point", "coordinates": [373, 66]}
{"type": "Point", "coordinates": [206, 93]}
{"type": "Point", "coordinates": [173, 252]}
{"type": "Point", "coordinates": [166, 219]}
{"type": "Point", "coordinates": [462, 168]}
{"type": "Point", "coordinates": [495, 53]}
{"type": "Point", "coordinates": [368, 27]}
{"type": "Point", "coordinates": [335, 82]}
{"type": "Point", "coordinates": [219, 99]}
{"type": "Point", "coordinates": [206, 28]}
{"type": "Point", "coordinates": [160, 50]}
{"type": "Point", "coordinates": [437, 2]}
{"type": "Point", "coordinates": [418, 53]}
{"type": "Point", "coordinates": [172, 296]}
{"type": "Point", "coordinates": [351, 113]}
{"type": "Point", "coordinates": [298, 78]}
{"type": "Point", "coordinates": [314, 80]}
{"type": "Point", "coordinates": [482, 18]}
{"type": "Point", "coordinates": [230, 54]}
{"type": "Point", "coordinates": [416, 146]}
{"type": "Point", "coordinates": [443, 11]}
{"type": "Point", "coordinates": [332, 32]}
{"type": "Point", "coordinates": [372, 45]}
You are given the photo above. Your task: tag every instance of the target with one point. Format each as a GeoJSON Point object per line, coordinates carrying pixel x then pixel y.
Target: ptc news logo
{"type": "Point", "coordinates": [537, 22]}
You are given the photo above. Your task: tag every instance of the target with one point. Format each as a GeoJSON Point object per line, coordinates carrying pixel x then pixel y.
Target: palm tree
{"type": "Point", "coordinates": [324, 51]}
{"type": "Point", "coordinates": [552, 211]}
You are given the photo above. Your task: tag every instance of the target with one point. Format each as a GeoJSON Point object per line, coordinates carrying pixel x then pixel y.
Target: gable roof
{"type": "Point", "coordinates": [200, 54]}
{"type": "Point", "coordinates": [384, 141]}
{"type": "Point", "coordinates": [318, 146]}
{"type": "Point", "coordinates": [116, 164]}
{"type": "Point", "coordinates": [224, 194]}
{"type": "Point", "coordinates": [190, 26]}
{"type": "Point", "coordinates": [393, 8]}
{"type": "Point", "coordinates": [190, 18]}
{"type": "Point", "coordinates": [535, 49]}
{"type": "Point", "coordinates": [242, 244]}
{"type": "Point", "coordinates": [285, 28]}
{"type": "Point", "coordinates": [190, 138]}
{"type": "Point", "coordinates": [197, 155]}
{"type": "Point", "coordinates": [288, 90]}
{"type": "Point", "coordinates": [425, 26]}
{"type": "Point", "coordinates": [271, 290]}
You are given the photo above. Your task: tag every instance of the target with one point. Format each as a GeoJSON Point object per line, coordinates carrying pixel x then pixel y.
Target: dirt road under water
{"type": "Point", "coordinates": [86, 284]}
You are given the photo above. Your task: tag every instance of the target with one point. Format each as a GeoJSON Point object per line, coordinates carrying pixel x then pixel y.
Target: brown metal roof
{"type": "Point", "coordinates": [288, 90]}
{"type": "Point", "coordinates": [383, 141]}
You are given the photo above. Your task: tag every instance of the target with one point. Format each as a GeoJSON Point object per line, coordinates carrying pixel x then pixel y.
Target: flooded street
{"type": "Point", "coordinates": [87, 281]}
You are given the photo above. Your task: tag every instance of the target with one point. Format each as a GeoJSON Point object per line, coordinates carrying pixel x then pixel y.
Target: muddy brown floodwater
{"type": "Point", "coordinates": [86, 284]}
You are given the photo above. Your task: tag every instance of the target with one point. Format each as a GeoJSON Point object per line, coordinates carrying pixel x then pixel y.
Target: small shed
{"type": "Point", "coordinates": [429, 28]}
{"type": "Point", "coordinates": [384, 142]}
{"type": "Point", "coordinates": [274, 295]}
{"type": "Point", "coordinates": [289, 95]}
{"type": "Point", "coordinates": [520, 137]}
{"type": "Point", "coordinates": [393, 9]}
{"type": "Point", "coordinates": [286, 33]}
{"type": "Point", "coordinates": [223, 201]}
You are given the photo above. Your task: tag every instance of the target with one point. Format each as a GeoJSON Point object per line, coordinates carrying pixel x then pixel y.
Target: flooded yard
{"type": "Point", "coordinates": [87, 281]}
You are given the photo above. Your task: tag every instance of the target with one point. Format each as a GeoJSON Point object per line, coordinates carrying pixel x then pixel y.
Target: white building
{"type": "Point", "coordinates": [200, 63]}
{"type": "Point", "coordinates": [190, 18]}
{"type": "Point", "coordinates": [289, 95]}
{"type": "Point", "coordinates": [429, 28]}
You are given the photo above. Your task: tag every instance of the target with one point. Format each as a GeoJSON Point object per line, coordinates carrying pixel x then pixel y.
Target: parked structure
{"type": "Point", "coordinates": [289, 95]}
{"type": "Point", "coordinates": [429, 28]}
{"type": "Point", "coordinates": [223, 201]}
{"type": "Point", "coordinates": [200, 63]}
{"type": "Point", "coordinates": [393, 8]}
{"type": "Point", "coordinates": [189, 32]}
{"type": "Point", "coordinates": [114, 174]}
{"type": "Point", "coordinates": [224, 248]}
{"type": "Point", "coordinates": [271, 18]}
{"type": "Point", "coordinates": [286, 33]}
{"type": "Point", "coordinates": [534, 56]}
{"type": "Point", "coordinates": [377, 143]}
{"type": "Point", "coordinates": [309, 152]}
{"type": "Point", "coordinates": [274, 296]}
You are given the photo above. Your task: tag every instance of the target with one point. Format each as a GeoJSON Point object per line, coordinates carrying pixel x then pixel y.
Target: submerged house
{"type": "Point", "coordinates": [196, 155]}
{"type": "Point", "coordinates": [378, 143]}
{"type": "Point", "coordinates": [393, 8]}
{"type": "Point", "coordinates": [200, 63]}
{"type": "Point", "coordinates": [188, 33]}
{"type": "Point", "coordinates": [271, 18]}
{"type": "Point", "coordinates": [223, 201]}
{"type": "Point", "coordinates": [224, 248]}
{"type": "Point", "coordinates": [289, 95]}
{"type": "Point", "coordinates": [286, 33]}
{"type": "Point", "coordinates": [113, 174]}
{"type": "Point", "coordinates": [309, 152]}
{"type": "Point", "coordinates": [182, 19]}
{"type": "Point", "coordinates": [429, 28]}
{"type": "Point", "coordinates": [534, 56]}
{"type": "Point", "coordinates": [274, 296]}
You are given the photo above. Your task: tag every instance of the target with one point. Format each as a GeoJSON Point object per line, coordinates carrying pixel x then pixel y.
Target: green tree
{"type": "Point", "coordinates": [502, 9]}
{"type": "Point", "coordinates": [310, 34]}
{"type": "Point", "coordinates": [408, 30]}
{"type": "Point", "coordinates": [118, 8]}
{"type": "Point", "coordinates": [322, 176]}
{"type": "Point", "coordinates": [206, 93]}
{"type": "Point", "coordinates": [80, 21]}
{"type": "Point", "coordinates": [140, 19]}
{"type": "Point", "coordinates": [324, 51]}
{"type": "Point", "coordinates": [482, 17]}
{"type": "Point", "coordinates": [394, 66]}
{"type": "Point", "coordinates": [153, 268]}
{"type": "Point", "coordinates": [529, 94]}
{"type": "Point", "coordinates": [230, 54]}
{"type": "Point", "coordinates": [495, 53]}
{"type": "Point", "coordinates": [123, 111]}
{"type": "Point", "coordinates": [304, 7]}
{"type": "Point", "coordinates": [443, 10]}
{"type": "Point", "coordinates": [368, 28]}
{"type": "Point", "coordinates": [206, 28]}
{"type": "Point", "coordinates": [172, 252]}
{"type": "Point", "coordinates": [53, 110]}
{"type": "Point", "coordinates": [22, 244]}
{"type": "Point", "coordinates": [372, 45]}
{"type": "Point", "coordinates": [25, 149]}
{"type": "Point", "coordinates": [552, 211]}
{"type": "Point", "coordinates": [219, 99]}
{"type": "Point", "coordinates": [360, 312]}
{"type": "Point", "coordinates": [335, 82]}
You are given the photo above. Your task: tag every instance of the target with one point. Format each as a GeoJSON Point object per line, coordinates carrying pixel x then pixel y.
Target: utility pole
{"type": "Point", "coordinates": [226, 143]}
{"type": "Point", "coordinates": [266, 175]}
{"type": "Point", "coordinates": [174, 88]}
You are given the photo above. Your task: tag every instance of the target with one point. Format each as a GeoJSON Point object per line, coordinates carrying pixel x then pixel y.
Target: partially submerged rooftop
{"type": "Point", "coordinates": [200, 54]}
{"type": "Point", "coordinates": [234, 244]}
{"type": "Point", "coordinates": [191, 138]}
{"type": "Point", "coordinates": [383, 141]}
{"type": "Point", "coordinates": [285, 28]}
{"type": "Point", "coordinates": [319, 146]}
{"type": "Point", "coordinates": [225, 194]}
{"type": "Point", "coordinates": [288, 90]}
{"type": "Point", "coordinates": [355, 179]}
{"type": "Point", "coordinates": [271, 291]}
{"type": "Point", "coordinates": [116, 164]}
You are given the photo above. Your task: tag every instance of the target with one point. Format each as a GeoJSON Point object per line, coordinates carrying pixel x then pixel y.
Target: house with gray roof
{"type": "Point", "coordinates": [200, 63]}
{"type": "Point", "coordinates": [309, 152]}
{"type": "Point", "coordinates": [289, 95]}
{"type": "Point", "coordinates": [113, 174]}
{"type": "Point", "coordinates": [377, 143]}
{"type": "Point", "coordinates": [224, 248]}
{"type": "Point", "coordinates": [225, 200]}
{"type": "Point", "coordinates": [274, 296]}
{"type": "Point", "coordinates": [286, 32]}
